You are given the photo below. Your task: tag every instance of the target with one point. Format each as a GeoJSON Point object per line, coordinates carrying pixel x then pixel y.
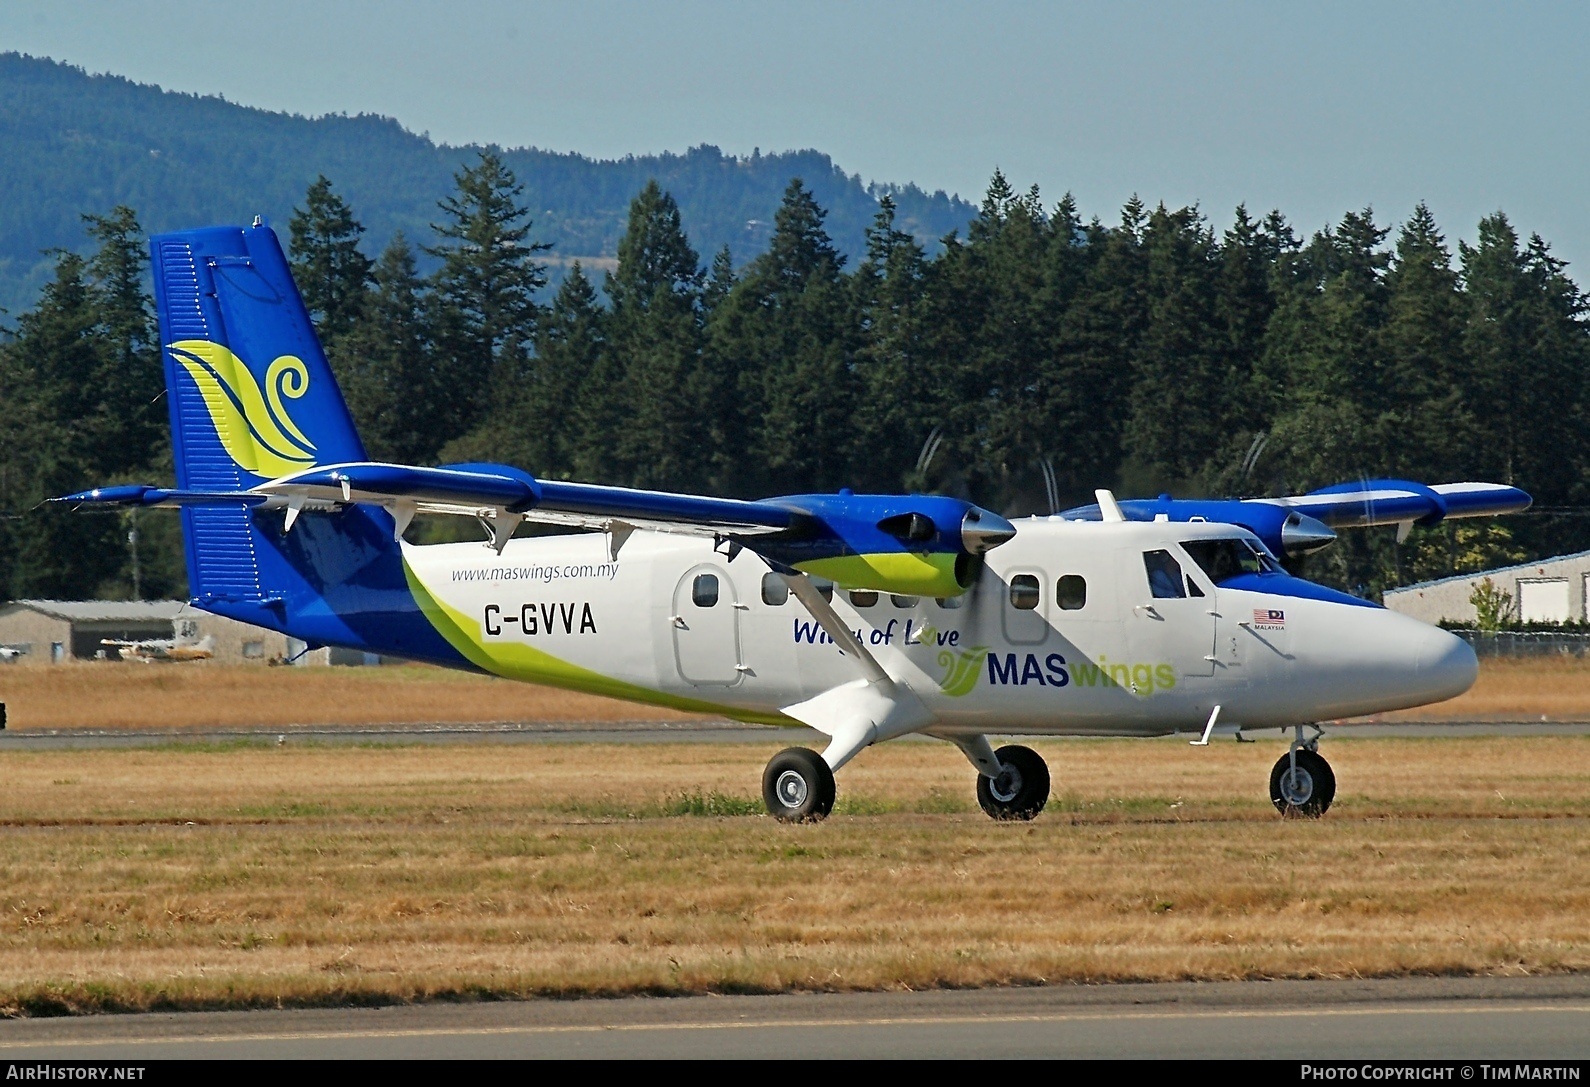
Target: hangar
{"type": "Point", "coordinates": [1545, 591]}
{"type": "Point", "coordinates": [56, 631]}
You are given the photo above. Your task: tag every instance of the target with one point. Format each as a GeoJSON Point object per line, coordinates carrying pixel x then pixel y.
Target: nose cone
{"type": "Point", "coordinates": [1447, 665]}
{"type": "Point", "coordinates": [982, 531]}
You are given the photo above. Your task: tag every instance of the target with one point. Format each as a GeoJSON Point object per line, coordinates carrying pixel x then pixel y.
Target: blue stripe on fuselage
{"type": "Point", "coordinates": [1287, 585]}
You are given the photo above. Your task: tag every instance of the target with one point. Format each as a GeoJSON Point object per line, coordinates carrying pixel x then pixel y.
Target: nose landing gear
{"type": "Point", "coordinates": [1302, 783]}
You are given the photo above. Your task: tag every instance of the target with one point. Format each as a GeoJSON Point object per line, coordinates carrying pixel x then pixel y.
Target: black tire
{"type": "Point", "coordinates": [1310, 795]}
{"type": "Point", "coordinates": [1021, 791]}
{"type": "Point", "coordinates": [798, 786]}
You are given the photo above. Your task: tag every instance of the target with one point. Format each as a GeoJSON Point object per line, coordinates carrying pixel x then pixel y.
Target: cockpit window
{"type": "Point", "coordinates": [1223, 560]}
{"type": "Point", "coordinates": [1164, 575]}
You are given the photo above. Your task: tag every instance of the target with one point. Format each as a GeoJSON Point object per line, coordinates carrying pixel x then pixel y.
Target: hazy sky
{"type": "Point", "coordinates": [1312, 109]}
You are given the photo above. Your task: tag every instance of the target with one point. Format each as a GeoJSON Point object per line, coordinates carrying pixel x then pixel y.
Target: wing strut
{"type": "Point", "coordinates": [863, 711]}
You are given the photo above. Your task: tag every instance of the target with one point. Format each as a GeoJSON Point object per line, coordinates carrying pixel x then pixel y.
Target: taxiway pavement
{"type": "Point", "coordinates": [1460, 1020]}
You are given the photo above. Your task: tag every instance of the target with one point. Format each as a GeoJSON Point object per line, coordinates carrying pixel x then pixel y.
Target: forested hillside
{"type": "Point", "coordinates": [74, 143]}
{"type": "Point", "coordinates": [1039, 356]}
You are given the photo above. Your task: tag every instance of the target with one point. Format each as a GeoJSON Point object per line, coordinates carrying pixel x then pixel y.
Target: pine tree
{"type": "Point", "coordinates": [785, 331]}
{"type": "Point", "coordinates": [1180, 366]}
{"type": "Point", "coordinates": [655, 335]}
{"type": "Point", "coordinates": [1087, 403]}
{"type": "Point", "coordinates": [999, 423]}
{"type": "Point", "coordinates": [58, 434]}
{"type": "Point", "coordinates": [573, 398]}
{"type": "Point", "coordinates": [720, 281]}
{"type": "Point", "coordinates": [332, 274]}
{"type": "Point", "coordinates": [484, 291]}
{"type": "Point", "coordinates": [1426, 416]}
{"type": "Point", "coordinates": [1525, 341]}
{"type": "Point", "coordinates": [395, 388]}
{"type": "Point", "coordinates": [1323, 358]}
{"type": "Point", "coordinates": [133, 429]}
{"type": "Point", "coordinates": [1249, 255]}
{"type": "Point", "coordinates": [895, 406]}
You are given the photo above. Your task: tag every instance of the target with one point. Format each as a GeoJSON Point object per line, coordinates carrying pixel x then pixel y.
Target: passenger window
{"type": "Point", "coordinates": [704, 591]}
{"type": "Point", "coordinates": [1164, 576]}
{"type": "Point", "coordinates": [863, 598]}
{"type": "Point", "coordinates": [823, 586]}
{"type": "Point", "coordinates": [1024, 592]}
{"type": "Point", "coordinates": [775, 590]}
{"type": "Point", "coordinates": [1071, 592]}
{"type": "Point", "coordinates": [904, 601]}
{"type": "Point", "coordinates": [950, 603]}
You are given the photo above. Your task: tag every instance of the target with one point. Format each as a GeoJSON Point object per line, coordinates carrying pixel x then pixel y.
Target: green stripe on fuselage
{"type": "Point", "coordinates": [515, 660]}
{"type": "Point", "coordinates": [908, 573]}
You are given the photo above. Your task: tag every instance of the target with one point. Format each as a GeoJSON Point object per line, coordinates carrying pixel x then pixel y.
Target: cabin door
{"type": "Point", "coordinates": [706, 621]}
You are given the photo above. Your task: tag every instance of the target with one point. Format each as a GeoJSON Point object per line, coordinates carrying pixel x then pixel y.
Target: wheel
{"type": "Point", "coordinates": [798, 786]}
{"type": "Point", "coordinates": [1022, 787]}
{"type": "Point", "coordinates": [1310, 792]}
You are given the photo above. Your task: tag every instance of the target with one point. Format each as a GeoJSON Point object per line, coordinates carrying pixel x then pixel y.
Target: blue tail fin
{"type": "Point", "coordinates": [252, 400]}
{"type": "Point", "coordinates": [251, 394]}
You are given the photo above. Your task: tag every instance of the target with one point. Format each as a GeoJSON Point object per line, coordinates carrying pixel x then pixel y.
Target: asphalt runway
{"type": "Point", "coordinates": [1447, 1019]}
{"type": "Point", "coordinates": [512, 732]}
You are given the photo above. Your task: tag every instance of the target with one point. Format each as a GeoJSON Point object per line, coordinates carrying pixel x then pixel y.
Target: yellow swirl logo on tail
{"type": "Point", "coordinates": [253, 426]}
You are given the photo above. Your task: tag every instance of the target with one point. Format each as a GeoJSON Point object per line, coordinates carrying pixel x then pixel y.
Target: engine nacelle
{"type": "Point", "coordinates": [908, 545]}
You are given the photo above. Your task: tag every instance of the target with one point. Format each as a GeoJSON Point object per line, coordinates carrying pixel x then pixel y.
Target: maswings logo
{"type": "Point", "coordinates": [961, 669]}
{"type": "Point", "coordinates": [253, 425]}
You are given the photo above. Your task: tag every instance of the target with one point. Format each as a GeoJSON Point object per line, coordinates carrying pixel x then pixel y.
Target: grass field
{"type": "Point", "coordinates": [135, 696]}
{"type": "Point", "coordinates": [126, 695]}
{"type": "Point", "coordinates": [264, 875]}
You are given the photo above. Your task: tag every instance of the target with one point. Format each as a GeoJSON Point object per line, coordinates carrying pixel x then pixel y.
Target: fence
{"type": "Point", "coordinates": [1526, 643]}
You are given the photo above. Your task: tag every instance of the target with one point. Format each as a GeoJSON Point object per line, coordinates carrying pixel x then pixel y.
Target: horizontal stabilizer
{"type": "Point", "coordinates": [142, 494]}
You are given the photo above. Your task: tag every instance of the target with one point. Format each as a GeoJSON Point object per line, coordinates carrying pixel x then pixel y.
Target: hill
{"type": "Point", "coordinates": [78, 143]}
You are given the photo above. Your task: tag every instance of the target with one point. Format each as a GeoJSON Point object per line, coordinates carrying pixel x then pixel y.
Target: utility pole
{"type": "Point", "coordinates": [132, 543]}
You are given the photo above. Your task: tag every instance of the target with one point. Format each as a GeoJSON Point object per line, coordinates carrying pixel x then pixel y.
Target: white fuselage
{"type": "Point", "coordinates": [1124, 662]}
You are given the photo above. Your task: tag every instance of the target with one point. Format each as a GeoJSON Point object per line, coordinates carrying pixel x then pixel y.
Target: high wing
{"type": "Point", "coordinates": [1299, 524]}
{"type": "Point", "coordinates": [910, 544]}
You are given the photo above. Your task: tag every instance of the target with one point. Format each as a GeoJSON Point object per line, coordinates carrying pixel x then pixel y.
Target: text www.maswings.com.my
{"type": "Point", "coordinates": [605, 571]}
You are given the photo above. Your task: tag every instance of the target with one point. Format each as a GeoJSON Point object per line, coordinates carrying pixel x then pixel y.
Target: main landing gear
{"type": "Point", "coordinates": [798, 786]}
{"type": "Point", "coordinates": [1020, 789]}
{"type": "Point", "coordinates": [1012, 783]}
{"type": "Point", "coordinates": [1302, 784]}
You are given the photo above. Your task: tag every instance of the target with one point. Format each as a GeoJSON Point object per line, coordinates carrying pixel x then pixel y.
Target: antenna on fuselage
{"type": "Point", "coordinates": [1109, 508]}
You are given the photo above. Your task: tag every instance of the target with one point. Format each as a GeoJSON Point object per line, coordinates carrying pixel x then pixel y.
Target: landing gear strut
{"type": "Point", "coordinates": [798, 786]}
{"type": "Point", "coordinates": [1020, 789]}
{"type": "Point", "coordinates": [1302, 784]}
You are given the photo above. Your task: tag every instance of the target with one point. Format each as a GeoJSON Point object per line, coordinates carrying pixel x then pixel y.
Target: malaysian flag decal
{"type": "Point", "coordinates": [1269, 618]}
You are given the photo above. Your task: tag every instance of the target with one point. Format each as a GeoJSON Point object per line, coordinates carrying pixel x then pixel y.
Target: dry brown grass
{"type": "Point", "coordinates": [254, 876]}
{"type": "Point", "coordinates": [126, 695]}
{"type": "Point", "coordinates": [1517, 689]}
{"type": "Point", "coordinates": [115, 694]}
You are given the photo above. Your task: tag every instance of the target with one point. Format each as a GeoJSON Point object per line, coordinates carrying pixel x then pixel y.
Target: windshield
{"type": "Point", "coordinates": [1223, 560]}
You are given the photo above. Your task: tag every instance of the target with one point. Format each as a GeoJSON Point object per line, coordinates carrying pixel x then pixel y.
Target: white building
{"type": "Point", "coordinates": [55, 631]}
{"type": "Point", "coordinates": [1545, 591]}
